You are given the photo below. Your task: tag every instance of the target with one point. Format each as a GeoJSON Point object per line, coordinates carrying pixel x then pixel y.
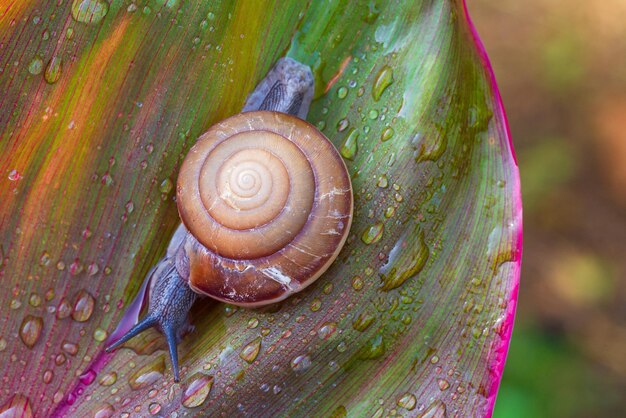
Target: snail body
{"type": "Point", "coordinates": [266, 205]}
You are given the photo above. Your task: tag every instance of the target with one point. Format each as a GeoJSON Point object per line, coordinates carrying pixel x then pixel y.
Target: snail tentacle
{"type": "Point", "coordinates": [169, 303]}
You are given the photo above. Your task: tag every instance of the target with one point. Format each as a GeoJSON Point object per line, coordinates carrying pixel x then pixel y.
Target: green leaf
{"type": "Point", "coordinates": [100, 103]}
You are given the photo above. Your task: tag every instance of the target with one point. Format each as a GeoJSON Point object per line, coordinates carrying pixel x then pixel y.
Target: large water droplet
{"type": "Point", "coordinates": [350, 145]}
{"type": "Point", "coordinates": [363, 321]}
{"type": "Point", "coordinates": [387, 134]}
{"type": "Point", "coordinates": [301, 363]}
{"type": "Point", "coordinates": [83, 306]}
{"type": "Point", "coordinates": [108, 379]}
{"type": "Point", "coordinates": [30, 330]}
{"type": "Point", "coordinates": [383, 79]}
{"type": "Point", "coordinates": [88, 377]}
{"type": "Point", "coordinates": [107, 411]}
{"type": "Point", "coordinates": [53, 70]}
{"type": "Point", "coordinates": [436, 410]}
{"type": "Point", "coordinates": [17, 406]}
{"type": "Point", "coordinates": [374, 348]}
{"type": "Point", "coordinates": [89, 11]}
{"type": "Point", "coordinates": [407, 401]}
{"type": "Point", "coordinates": [197, 391]}
{"type": "Point", "coordinates": [148, 374]}
{"type": "Point", "coordinates": [373, 233]}
{"type": "Point", "coordinates": [327, 330]}
{"type": "Point", "coordinates": [251, 350]}
{"type": "Point", "coordinates": [166, 186]}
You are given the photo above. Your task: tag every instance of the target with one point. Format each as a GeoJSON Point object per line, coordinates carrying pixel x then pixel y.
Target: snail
{"type": "Point", "coordinates": [266, 205]}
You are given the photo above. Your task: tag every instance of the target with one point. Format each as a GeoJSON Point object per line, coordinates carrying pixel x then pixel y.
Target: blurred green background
{"type": "Point", "coordinates": [561, 68]}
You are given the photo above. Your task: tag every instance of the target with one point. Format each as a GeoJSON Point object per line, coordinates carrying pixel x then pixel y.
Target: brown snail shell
{"type": "Point", "coordinates": [268, 202]}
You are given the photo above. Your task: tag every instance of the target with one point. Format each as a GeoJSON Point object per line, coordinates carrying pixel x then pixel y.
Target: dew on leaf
{"type": "Point", "coordinates": [373, 233]}
{"type": "Point", "coordinates": [382, 181]}
{"type": "Point", "coordinates": [363, 321]}
{"type": "Point", "coordinates": [87, 377]}
{"type": "Point", "coordinates": [197, 390]}
{"type": "Point", "coordinates": [34, 300]}
{"type": "Point", "coordinates": [35, 66]}
{"type": "Point", "coordinates": [373, 348]}
{"type": "Point", "coordinates": [47, 376]}
{"type": "Point", "coordinates": [435, 410]}
{"type": "Point", "coordinates": [148, 374]}
{"type": "Point", "coordinates": [300, 363]}
{"type": "Point", "coordinates": [407, 401]}
{"type": "Point", "coordinates": [342, 125]}
{"type": "Point", "coordinates": [327, 330]}
{"type": "Point", "coordinates": [83, 306]}
{"type": "Point", "coordinates": [342, 92]}
{"type": "Point", "coordinates": [64, 309]}
{"type": "Point", "coordinates": [3, 344]}
{"type": "Point", "coordinates": [154, 408]}
{"type": "Point", "coordinates": [89, 11]}
{"type": "Point", "coordinates": [100, 335]}
{"type": "Point", "coordinates": [349, 148]}
{"type": "Point", "coordinates": [108, 379]}
{"type": "Point", "coordinates": [106, 411]}
{"type": "Point", "coordinates": [30, 330]}
{"type": "Point", "coordinates": [250, 352]}
{"type": "Point", "coordinates": [14, 175]}
{"type": "Point", "coordinates": [53, 70]}
{"type": "Point", "coordinates": [383, 79]}
{"type": "Point", "coordinates": [70, 348]}
{"type": "Point", "coordinates": [166, 186]}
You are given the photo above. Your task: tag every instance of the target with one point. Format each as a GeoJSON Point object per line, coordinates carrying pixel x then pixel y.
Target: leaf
{"type": "Point", "coordinates": [101, 102]}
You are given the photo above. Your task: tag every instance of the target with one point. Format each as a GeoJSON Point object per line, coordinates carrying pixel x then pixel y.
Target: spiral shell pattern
{"type": "Point", "coordinates": [268, 201]}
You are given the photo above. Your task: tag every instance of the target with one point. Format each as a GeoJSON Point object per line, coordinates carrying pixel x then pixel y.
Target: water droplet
{"type": "Point", "coordinates": [316, 304]}
{"type": "Point", "coordinates": [197, 391]}
{"type": "Point", "coordinates": [107, 411]}
{"type": "Point", "coordinates": [350, 146]}
{"type": "Point", "coordinates": [383, 79]}
{"type": "Point", "coordinates": [15, 304]}
{"type": "Point", "coordinates": [69, 33]}
{"type": "Point", "coordinates": [372, 114]}
{"type": "Point", "coordinates": [70, 348]}
{"type": "Point", "coordinates": [34, 300]}
{"type": "Point", "coordinates": [148, 374]}
{"type": "Point", "coordinates": [357, 283]}
{"type": "Point", "coordinates": [45, 35]}
{"type": "Point", "coordinates": [17, 406]}
{"type": "Point", "coordinates": [166, 186]}
{"type": "Point", "coordinates": [443, 384]}
{"type": "Point", "coordinates": [53, 70]}
{"type": "Point", "coordinates": [327, 330]}
{"type": "Point", "coordinates": [60, 359]}
{"type": "Point", "coordinates": [342, 92]}
{"type": "Point", "coordinates": [382, 181]}
{"type": "Point", "coordinates": [88, 377]}
{"type": "Point", "coordinates": [253, 323]}
{"type": "Point", "coordinates": [374, 348]}
{"type": "Point", "coordinates": [436, 410]}
{"type": "Point", "coordinates": [251, 350]}
{"type": "Point", "coordinates": [387, 134]}
{"type": "Point", "coordinates": [14, 175]}
{"type": "Point", "coordinates": [30, 330]}
{"type": "Point", "coordinates": [108, 379]}
{"type": "Point", "coordinates": [407, 401]}
{"type": "Point", "coordinates": [363, 321]}
{"type": "Point", "coordinates": [83, 306]}
{"type": "Point", "coordinates": [301, 363]}
{"type": "Point", "coordinates": [35, 66]}
{"type": "Point", "coordinates": [373, 233]}
{"type": "Point", "coordinates": [342, 125]}
{"type": "Point", "coordinates": [210, 16]}
{"type": "Point", "coordinates": [106, 179]}
{"type": "Point", "coordinates": [89, 11]}
{"type": "Point", "coordinates": [47, 377]}
{"type": "Point", "coordinates": [44, 260]}
{"type": "Point", "coordinates": [3, 344]}
{"type": "Point", "coordinates": [154, 408]}
{"type": "Point", "coordinates": [100, 335]}
{"type": "Point", "coordinates": [93, 269]}
{"type": "Point", "coordinates": [64, 309]}
{"type": "Point", "coordinates": [76, 267]}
